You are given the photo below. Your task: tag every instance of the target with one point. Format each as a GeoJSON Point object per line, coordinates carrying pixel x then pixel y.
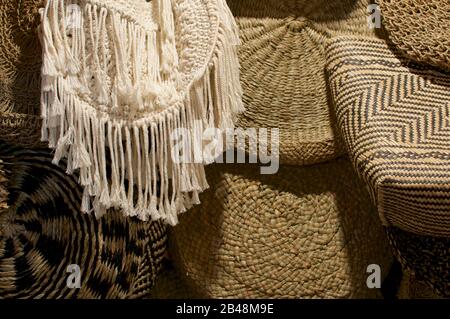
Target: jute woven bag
{"type": "Point", "coordinates": [296, 233]}
{"type": "Point", "coordinates": [306, 232]}
{"type": "Point", "coordinates": [419, 28]}
{"type": "Point", "coordinates": [393, 115]}
{"type": "Point", "coordinates": [43, 232]}
{"type": "Point", "coordinates": [118, 78]}
{"type": "Point", "coordinates": [282, 60]}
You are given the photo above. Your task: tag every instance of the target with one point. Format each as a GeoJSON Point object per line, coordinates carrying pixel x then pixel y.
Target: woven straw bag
{"type": "Point", "coordinates": [282, 59]}
{"type": "Point", "coordinates": [43, 232]}
{"type": "Point", "coordinates": [306, 232]}
{"type": "Point", "coordinates": [393, 115]}
{"type": "Point", "coordinates": [419, 29]}
{"type": "Point", "coordinates": [291, 234]}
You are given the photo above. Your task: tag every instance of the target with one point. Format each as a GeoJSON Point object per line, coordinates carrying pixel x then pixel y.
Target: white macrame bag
{"type": "Point", "coordinates": [118, 77]}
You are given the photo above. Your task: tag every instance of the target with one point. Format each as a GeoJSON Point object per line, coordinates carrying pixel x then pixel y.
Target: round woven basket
{"type": "Point", "coordinates": [306, 232]}
{"type": "Point", "coordinates": [43, 232]}
{"type": "Point", "coordinates": [426, 258]}
{"type": "Point", "coordinates": [283, 70]}
{"type": "Point", "coordinates": [20, 63]}
{"type": "Point", "coordinates": [419, 29]}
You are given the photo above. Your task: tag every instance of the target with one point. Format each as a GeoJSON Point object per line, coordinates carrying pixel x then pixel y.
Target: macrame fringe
{"type": "Point", "coordinates": [100, 78]}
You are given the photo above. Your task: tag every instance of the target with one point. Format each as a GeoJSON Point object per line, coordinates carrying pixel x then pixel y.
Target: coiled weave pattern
{"type": "Point", "coordinates": [283, 70]}
{"type": "Point", "coordinates": [306, 232]}
{"type": "Point", "coordinates": [43, 232]}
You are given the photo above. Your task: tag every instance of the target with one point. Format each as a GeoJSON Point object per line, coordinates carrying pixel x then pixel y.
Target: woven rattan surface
{"type": "Point", "coordinates": [282, 70]}
{"type": "Point", "coordinates": [393, 115]}
{"type": "Point", "coordinates": [43, 232]}
{"type": "Point", "coordinates": [3, 187]}
{"type": "Point", "coordinates": [306, 232]}
{"type": "Point", "coordinates": [20, 63]}
{"type": "Point", "coordinates": [412, 288]}
{"type": "Point", "coordinates": [419, 28]}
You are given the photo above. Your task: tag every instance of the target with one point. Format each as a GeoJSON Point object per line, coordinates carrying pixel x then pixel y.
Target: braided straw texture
{"type": "Point", "coordinates": [393, 115]}
{"type": "Point", "coordinates": [20, 63]}
{"type": "Point", "coordinates": [43, 232]}
{"type": "Point", "coordinates": [425, 258]}
{"type": "Point", "coordinates": [419, 28]}
{"type": "Point", "coordinates": [283, 70]}
{"type": "Point", "coordinates": [306, 232]}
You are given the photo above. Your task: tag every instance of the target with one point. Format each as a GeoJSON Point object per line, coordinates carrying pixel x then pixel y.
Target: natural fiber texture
{"type": "Point", "coordinates": [393, 115]}
{"type": "Point", "coordinates": [306, 232]}
{"type": "Point", "coordinates": [43, 232]}
{"type": "Point", "coordinates": [411, 288]}
{"type": "Point", "coordinates": [283, 70]}
{"type": "Point", "coordinates": [419, 28]}
{"type": "Point", "coordinates": [20, 62]}
{"type": "Point", "coordinates": [426, 258]}
{"type": "Point", "coordinates": [169, 285]}
{"type": "Point", "coordinates": [118, 78]}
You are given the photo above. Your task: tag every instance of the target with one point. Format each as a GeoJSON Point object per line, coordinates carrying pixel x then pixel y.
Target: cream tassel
{"type": "Point", "coordinates": [111, 99]}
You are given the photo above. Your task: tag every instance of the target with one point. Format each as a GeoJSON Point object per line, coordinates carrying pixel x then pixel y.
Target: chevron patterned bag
{"type": "Point", "coordinates": [394, 116]}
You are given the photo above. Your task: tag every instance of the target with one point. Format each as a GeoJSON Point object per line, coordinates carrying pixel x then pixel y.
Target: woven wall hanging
{"type": "Point", "coordinates": [118, 78]}
{"type": "Point", "coordinates": [283, 70]}
{"type": "Point", "coordinates": [43, 232]}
